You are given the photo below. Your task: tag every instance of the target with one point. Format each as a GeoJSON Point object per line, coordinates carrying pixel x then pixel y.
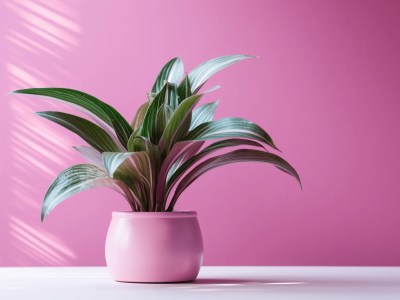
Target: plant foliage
{"type": "Point", "coordinates": [153, 160]}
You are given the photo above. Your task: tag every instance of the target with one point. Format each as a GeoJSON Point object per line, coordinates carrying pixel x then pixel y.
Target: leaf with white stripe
{"type": "Point", "coordinates": [90, 132]}
{"type": "Point", "coordinates": [92, 155]}
{"type": "Point", "coordinates": [179, 123]}
{"type": "Point", "coordinates": [229, 127]}
{"type": "Point", "coordinates": [242, 155]}
{"type": "Point", "coordinates": [140, 143]}
{"type": "Point", "coordinates": [178, 150]}
{"type": "Point", "coordinates": [104, 114]}
{"type": "Point", "coordinates": [172, 72]}
{"type": "Point", "coordinates": [199, 75]}
{"type": "Point", "coordinates": [149, 128]}
{"type": "Point", "coordinates": [112, 160]}
{"type": "Point", "coordinates": [79, 178]}
{"type": "Point", "coordinates": [138, 167]}
{"type": "Point", "coordinates": [203, 114]}
{"type": "Point", "coordinates": [194, 158]}
{"type": "Point", "coordinates": [184, 90]}
{"type": "Point", "coordinates": [139, 116]}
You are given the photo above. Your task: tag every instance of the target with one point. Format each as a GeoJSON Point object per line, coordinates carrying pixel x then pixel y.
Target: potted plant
{"type": "Point", "coordinates": [169, 144]}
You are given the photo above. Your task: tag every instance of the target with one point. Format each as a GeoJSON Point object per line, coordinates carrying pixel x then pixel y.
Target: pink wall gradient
{"type": "Point", "coordinates": [326, 87]}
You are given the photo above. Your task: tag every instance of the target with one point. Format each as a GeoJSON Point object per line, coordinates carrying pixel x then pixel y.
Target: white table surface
{"type": "Point", "coordinates": [212, 283]}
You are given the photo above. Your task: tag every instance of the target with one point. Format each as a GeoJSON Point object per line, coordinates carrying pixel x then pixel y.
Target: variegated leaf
{"type": "Point", "coordinates": [199, 75]}
{"type": "Point", "coordinates": [203, 114]}
{"type": "Point", "coordinates": [172, 72]}
{"type": "Point", "coordinates": [139, 116]}
{"type": "Point", "coordinates": [193, 159]}
{"type": "Point", "coordinates": [179, 123]}
{"type": "Point", "coordinates": [90, 132]}
{"type": "Point", "coordinates": [242, 155]}
{"type": "Point", "coordinates": [92, 155]}
{"type": "Point", "coordinates": [184, 90]}
{"type": "Point", "coordinates": [229, 127]}
{"type": "Point", "coordinates": [148, 128]}
{"type": "Point", "coordinates": [102, 113]}
{"type": "Point", "coordinates": [79, 178]}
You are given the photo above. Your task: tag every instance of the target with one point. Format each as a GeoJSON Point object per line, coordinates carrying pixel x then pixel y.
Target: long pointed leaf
{"type": "Point", "coordinates": [137, 165]}
{"type": "Point", "coordinates": [162, 98]}
{"type": "Point", "coordinates": [79, 178]}
{"type": "Point", "coordinates": [172, 72]}
{"type": "Point", "coordinates": [230, 127]}
{"type": "Point", "coordinates": [184, 90]}
{"type": "Point", "coordinates": [203, 114]}
{"type": "Point", "coordinates": [242, 155]}
{"type": "Point", "coordinates": [95, 108]}
{"type": "Point", "coordinates": [162, 117]}
{"type": "Point", "coordinates": [199, 75]}
{"type": "Point", "coordinates": [193, 159]}
{"type": "Point", "coordinates": [92, 155]}
{"type": "Point", "coordinates": [179, 123]}
{"type": "Point", "coordinates": [139, 116]}
{"type": "Point", "coordinates": [178, 152]}
{"type": "Point", "coordinates": [90, 132]}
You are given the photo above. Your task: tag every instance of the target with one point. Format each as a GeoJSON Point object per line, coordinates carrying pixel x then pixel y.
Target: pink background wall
{"type": "Point", "coordinates": [326, 88]}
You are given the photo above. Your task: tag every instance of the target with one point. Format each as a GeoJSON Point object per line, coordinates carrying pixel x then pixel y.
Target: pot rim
{"type": "Point", "coordinates": [153, 215]}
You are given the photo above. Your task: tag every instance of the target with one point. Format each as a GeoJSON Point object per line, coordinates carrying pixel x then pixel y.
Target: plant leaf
{"type": "Point", "coordinates": [203, 114]}
{"type": "Point", "coordinates": [178, 150]}
{"type": "Point", "coordinates": [242, 155]}
{"type": "Point", "coordinates": [137, 165]}
{"type": "Point", "coordinates": [184, 90]}
{"type": "Point", "coordinates": [148, 129]}
{"type": "Point", "coordinates": [229, 127]}
{"type": "Point", "coordinates": [172, 100]}
{"type": "Point", "coordinates": [102, 113]}
{"type": "Point", "coordinates": [179, 123]}
{"type": "Point", "coordinates": [194, 158]}
{"type": "Point", "coordinates": [182, 158]}
{"type": "Point", "coordinates": [139, 116]}
{"type": "Point", "coordinates": [91, 155]}
{"type": "Point", "coordinates": [90, 132]}
{"type": "Point", "coordinates": [172, 72]}
{"type": "Point", "coordinates": [140, 143]}
{"type": "Point", "coordinates": [160, 122]}
{"type": "Point", "coordinates": [199, 75]}
{"type": "Point", "coordinates": [79, 178]}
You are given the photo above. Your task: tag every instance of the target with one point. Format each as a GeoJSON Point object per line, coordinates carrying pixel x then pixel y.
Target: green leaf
{"type": "Point", "coordinates": [179, 123]}
{"type": "Point", "coordinates": [137, 165]}
{"type": "Point", "coordinates": [172, 72]}
{"type": "Point", "coordinates": [242, 155]}
{"type": "Point", "coordinates": [229, 127]}
{"type": "Point", "coordinates": [172, 100]}
{"type": "Point", "coordinates": [203, 114]}
{"type": "Point", "coordinates": [112, 160]}
{"type": "Point", "coordinates": [192, 159]}
{"type": "Point", "coordinates": [90, 132]}
{"type": "Point", "coordinates": [105, 115]}
{"type": "Point", "coordinates": [91, 155]}
{"type": "Point", "coordinates": [79, 178]}
{"type": "Point", "coordinates": [188, 153]}
{"type": "Point", "coordinates": [139, 116]}
{"type": "Point", "coordinates": [178, 151]}
{"type": "Point", "coordinates": [163, 115]}
{"type": "Point", "coordinates": [199, 75]}
{"type": "Point", "coordinates": [140, 143]}
{"type": "Point", "coordinates": [149, 128]}
{"type": "Point", "coordinates": [184, 90]}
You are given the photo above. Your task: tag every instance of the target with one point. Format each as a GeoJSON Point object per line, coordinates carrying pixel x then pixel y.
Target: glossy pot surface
{"type": "Point", "coordinates": [154, 246]}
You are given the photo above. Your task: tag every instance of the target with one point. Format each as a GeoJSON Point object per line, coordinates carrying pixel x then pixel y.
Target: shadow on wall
{"type": "Point", "coordinates": [39, 34]}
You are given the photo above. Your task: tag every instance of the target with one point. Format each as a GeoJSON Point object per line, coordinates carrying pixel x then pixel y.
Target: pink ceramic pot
{"type": "Point", "coordinates": [154, 246]}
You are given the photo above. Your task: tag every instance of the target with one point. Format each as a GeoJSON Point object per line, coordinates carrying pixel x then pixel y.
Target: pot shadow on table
{"type": "Point", "coordinates": [258, 285]}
